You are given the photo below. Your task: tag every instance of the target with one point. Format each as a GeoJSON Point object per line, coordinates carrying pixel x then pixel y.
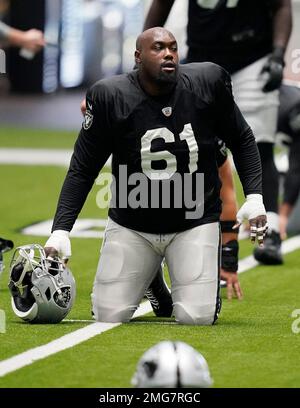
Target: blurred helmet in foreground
{"type": "Point", "coordinates": [171, 364]}
{"type": "Point", "coordinates": [42, 289]}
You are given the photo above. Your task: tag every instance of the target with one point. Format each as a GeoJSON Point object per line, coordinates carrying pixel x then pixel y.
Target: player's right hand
{"type": "Point", "coordinates": [254, 211]}
{"type": "Point", "coordinates": [59, 244]}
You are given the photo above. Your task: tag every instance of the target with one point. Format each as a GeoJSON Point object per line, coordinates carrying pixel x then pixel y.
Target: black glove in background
{"type": "Point", "coordinates": [274, 70]}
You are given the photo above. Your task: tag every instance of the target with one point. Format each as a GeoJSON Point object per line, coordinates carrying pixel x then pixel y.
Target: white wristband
{"type": "Point", "coordinates": [59, 240]}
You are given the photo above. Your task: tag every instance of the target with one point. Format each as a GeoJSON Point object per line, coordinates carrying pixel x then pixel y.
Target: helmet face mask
{"type": "Point", "coordinates": [42, 289]}
{"type": "Point", "coordinates": [172, 365]}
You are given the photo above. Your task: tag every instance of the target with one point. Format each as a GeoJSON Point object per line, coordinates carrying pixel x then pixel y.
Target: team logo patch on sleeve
{"type": "Point", "coordinates": [88, 120]}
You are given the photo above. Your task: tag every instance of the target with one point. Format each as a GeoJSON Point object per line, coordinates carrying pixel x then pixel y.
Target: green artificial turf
{"type": "Point", "coordinates": [36, 138]}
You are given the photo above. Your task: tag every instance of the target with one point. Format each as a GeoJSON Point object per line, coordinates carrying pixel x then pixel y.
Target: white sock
{"type": "Point", "coordinates": [273, 221]}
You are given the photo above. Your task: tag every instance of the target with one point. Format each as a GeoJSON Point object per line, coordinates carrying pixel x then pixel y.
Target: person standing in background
{"type": "Point", "coordinates": [289, 125]}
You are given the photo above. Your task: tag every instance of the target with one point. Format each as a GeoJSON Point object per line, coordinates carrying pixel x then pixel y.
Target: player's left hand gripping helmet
{"type": "Point", "coordinates": [171, 364]}
{"type": "Point", "coordinates": [42, 289]}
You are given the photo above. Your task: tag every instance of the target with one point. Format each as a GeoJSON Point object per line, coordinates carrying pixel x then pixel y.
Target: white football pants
{"type": "Point", "coordinates": [260, 109]}
{"type": "Point", "coordinates": [130, 259]}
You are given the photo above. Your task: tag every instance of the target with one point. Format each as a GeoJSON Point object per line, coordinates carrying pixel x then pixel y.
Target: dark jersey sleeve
{"type": "Point", "coordinates": [221, 152]}
{"type": "Point", "coordinates": [91, 151]}
{"type": "Point", "coordinates": [238, 136]}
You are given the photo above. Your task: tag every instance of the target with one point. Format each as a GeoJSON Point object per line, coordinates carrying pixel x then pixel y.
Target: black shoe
{"type": "Point", "coordinates": [5, 245]}
{"type": "Point", "coordinates": [159, 296]}
{"type": "Point", "coordinates": [270, 253]}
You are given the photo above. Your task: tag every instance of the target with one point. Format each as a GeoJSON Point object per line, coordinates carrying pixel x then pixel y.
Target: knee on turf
{"type": "Point", "coordinates": [112, 314]}
{"type": "Point", "coordinates": [195, 315]}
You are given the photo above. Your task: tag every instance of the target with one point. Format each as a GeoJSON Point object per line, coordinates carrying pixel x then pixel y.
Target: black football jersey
{"type": "Point", "coordinates": [231, 33]}
{"type": "Point", "coordinates": [163, 151]}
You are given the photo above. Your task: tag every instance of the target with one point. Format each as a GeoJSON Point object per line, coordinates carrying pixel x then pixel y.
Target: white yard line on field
{"type": "Point", "coordinates": [33, 157]}
{"type": "Point", "coordinates": [78, 336]}
{"type": "Point", "coordinates": [69, 340]}
{"type": "Point", "coordinates": [36, 157]}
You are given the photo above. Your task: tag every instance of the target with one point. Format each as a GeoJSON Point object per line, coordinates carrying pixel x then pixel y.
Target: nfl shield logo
{"type": "Point", "coordinates": [167, 111]}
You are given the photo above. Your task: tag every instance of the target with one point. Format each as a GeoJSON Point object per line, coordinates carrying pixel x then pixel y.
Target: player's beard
{"type": "Point", "coordinates": [167, 78]}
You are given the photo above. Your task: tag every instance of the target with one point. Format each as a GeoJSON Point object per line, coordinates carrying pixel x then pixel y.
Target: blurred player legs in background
{"type": "Point", "coordinates": [289, 128]}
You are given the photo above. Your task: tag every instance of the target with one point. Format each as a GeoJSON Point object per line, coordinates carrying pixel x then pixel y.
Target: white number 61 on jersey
{"type": "Point", "coordinates": [148, 157]}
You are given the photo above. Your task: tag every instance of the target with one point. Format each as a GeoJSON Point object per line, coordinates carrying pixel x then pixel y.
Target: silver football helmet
{"type": "Point", "coordinates": [42, 289]}
{"type": "Point", "coordinates": [171, 364]}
